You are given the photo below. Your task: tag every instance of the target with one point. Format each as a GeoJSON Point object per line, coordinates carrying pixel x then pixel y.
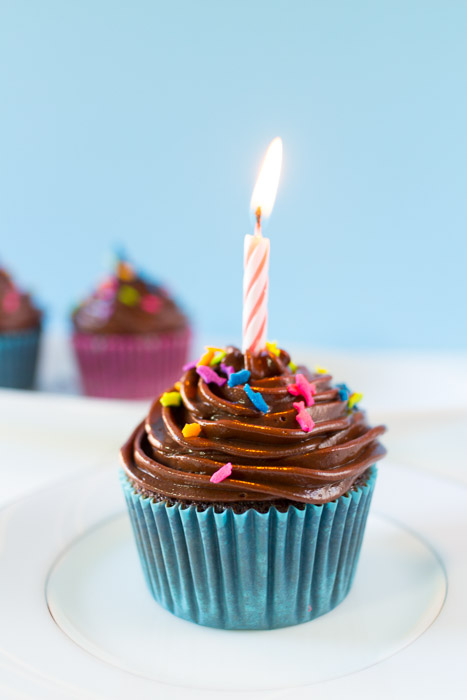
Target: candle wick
{"type": "Point", "coordinates": [258, 222]}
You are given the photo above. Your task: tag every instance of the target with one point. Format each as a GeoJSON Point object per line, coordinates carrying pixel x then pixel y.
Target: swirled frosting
{"type": "Point", "coordinates": [273, 459]}
{"type": "Point", "coordinates": [127, 303]}
{"type": "Point", "coordinates": [17, 311]}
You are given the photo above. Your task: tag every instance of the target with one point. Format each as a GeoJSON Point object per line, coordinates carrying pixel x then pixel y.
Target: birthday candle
{"type": "Point", "coordinates": [256, 253]}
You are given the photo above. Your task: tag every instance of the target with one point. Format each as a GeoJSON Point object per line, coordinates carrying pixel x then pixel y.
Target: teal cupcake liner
{"type": "Point", "coordinates": [18, 358]}
{"type": "Point", "coordinates": [250, 570]}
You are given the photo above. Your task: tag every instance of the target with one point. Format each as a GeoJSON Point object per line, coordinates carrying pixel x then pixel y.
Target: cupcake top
{"type": "Point", "coordinates": [17, 312]}
{"type": "Point", "coordinates": [126, 303]}
{"type": "Point", "coordinates": [252, 429]}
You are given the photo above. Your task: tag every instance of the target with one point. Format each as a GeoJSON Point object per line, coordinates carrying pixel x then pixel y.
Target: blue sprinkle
{"type": "Point", "coordinates": [256, 399]}
{"type": "Point", "coordinates": [238, 378]}
{"type": "Point", "coordinates": [344, 391]}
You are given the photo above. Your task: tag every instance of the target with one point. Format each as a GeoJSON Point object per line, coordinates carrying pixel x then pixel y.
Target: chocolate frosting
{"type": "Point", "coordinates": [273, 458]}
{"type": "Point", "coordinates": [127, 303]}
{"type": "Point", "coordinates": [17, 312]}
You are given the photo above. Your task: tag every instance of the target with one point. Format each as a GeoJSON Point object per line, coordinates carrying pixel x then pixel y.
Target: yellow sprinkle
{"type": "Point", "coordinates": [178, 385]}
{"type": "Point", "coordinates": [191, 430]}
{"type": "Point", "coordinates": [218, 357]}
{"type": "Point", "coordinates": [272, 347]}
{"type": "Point", "coordinates": [293, 367]}
{"type": "Point", "coordinates": [354, 399]}
{"type": "Point", "coordinates": [321, 370]}
{"type": "Point", "coordinates": [171, 398]}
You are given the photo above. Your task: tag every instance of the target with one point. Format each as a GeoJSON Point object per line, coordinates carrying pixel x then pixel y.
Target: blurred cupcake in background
{"type": "Point", "coordinates": [20, 329]}
{"type": "Point", "coordinates": [130, 338]}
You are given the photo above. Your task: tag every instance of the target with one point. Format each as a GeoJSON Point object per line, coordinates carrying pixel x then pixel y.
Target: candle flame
{"type": "Point", "coordinates": [264, 194]}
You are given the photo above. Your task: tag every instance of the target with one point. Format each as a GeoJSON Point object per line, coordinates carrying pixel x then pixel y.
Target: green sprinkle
{"type": "Point", "coordinates": [219, 356]}
{"type": "Point", "coordinates": [128, 295]}
{"type": "Point", "coordinates": [293, 367]}
{"type": "Point", "coordinates": [171, 398]}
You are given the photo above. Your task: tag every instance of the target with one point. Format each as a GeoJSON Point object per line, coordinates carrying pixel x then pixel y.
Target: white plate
{"type": "Point", "coordinates": [69, 548]}
{"type": "Point", "coordinates": [399, 591]}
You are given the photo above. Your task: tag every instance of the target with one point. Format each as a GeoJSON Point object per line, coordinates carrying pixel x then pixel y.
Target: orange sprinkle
{"type": "Point", "coordinates": [178, 385]}
{"type": "Point", "coordinates": [207, 357]}
{"type": "Point", "coordinates": [191, 430]}
{"type": "Point", "coordinates": [125, 272]}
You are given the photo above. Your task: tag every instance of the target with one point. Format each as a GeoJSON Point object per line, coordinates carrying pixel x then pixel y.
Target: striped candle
{"type": "Point", "coordinates": [255, 291]}
{"type": "Point", "coordinates": [256, 254]}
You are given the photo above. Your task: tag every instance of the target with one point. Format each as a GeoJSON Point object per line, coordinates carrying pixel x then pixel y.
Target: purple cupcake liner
{"type": "Point", "coordinates": [19, 352]}
{"type": "Point", "coordinates": [130, 367]}
{"type": "Point", "coordinates": [250, 570]}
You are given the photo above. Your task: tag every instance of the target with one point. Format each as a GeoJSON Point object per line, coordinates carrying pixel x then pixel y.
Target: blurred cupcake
{"type": "Point", "coordinates": [130, 337]}
{"type": "Point", "coordinates": [20, 329]}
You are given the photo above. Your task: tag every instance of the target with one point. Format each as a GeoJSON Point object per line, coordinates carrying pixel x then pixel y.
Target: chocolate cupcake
{"type": "Point", "coordinates": [20, 329]}
{"type": "Point", "coordinates": [248, 487]}
{"type": "Point", "coordinates": [130, 337]}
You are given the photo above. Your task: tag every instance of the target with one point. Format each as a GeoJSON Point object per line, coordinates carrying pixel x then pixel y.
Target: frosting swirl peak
{"type": "Point", "coordinates": [273, 458]}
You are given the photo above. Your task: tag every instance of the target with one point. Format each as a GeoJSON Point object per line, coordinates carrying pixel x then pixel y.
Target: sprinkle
{"type": "Point", "coordinates": [303, 387]}
{"type": "Point", "coordinates": [227, 369]}
{"type": "Point", "coordinates": [206, 358]}
{"type": "Point", "coordinates": [320, 370]}
{"type": "Point", "coordinates": [191, 430]}
{"type": "Point", "coordinates": [188, 366]}
{"type": "Point", "coordinates": [303, 418]}
{"type": "Point", "coordinates": [128, 295]}
{"type": "Point", "coordinates": [221, 473]}
{"type": "Point", "coordinates": [293, 367]}
{"type": "Point", "coordinates": [178, 385]}
{"type": "Point", "coordinates": [272, 347]}
{"type": "Point", "coordinates": [354, 399]}
{"type": "Point", "coordinates": [218, 357]}
{"type": "Point", "coordinates": [171, 398]}
{"type": "Point", "coordinates": [125, 271]}
{"type": "Point", "coordinates": [344, 391]}
{"type": "Point", "coordinates": [100, 309]}
{"type": "Point", "coordinates": [108, 288]}
{"type": "Point", "coordinates": [256, 399]}
{"type": "Point", "coordinates": [240, 377]}
{"type": "Point", "coordinates": [11, 301]}
{"type": "Point", "coordinates": [209, 375]}
{"type": "Point", "coordinates": [151, 304]}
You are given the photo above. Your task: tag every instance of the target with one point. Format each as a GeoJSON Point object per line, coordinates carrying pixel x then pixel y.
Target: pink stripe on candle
{"type": "Point", "coordinates": [257, 272]}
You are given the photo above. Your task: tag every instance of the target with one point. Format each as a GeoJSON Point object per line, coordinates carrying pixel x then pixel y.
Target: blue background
{"type": "Point", "coordinates": [144, 124]}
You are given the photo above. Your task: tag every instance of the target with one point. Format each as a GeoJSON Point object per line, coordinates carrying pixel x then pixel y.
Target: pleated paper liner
{"type": "Point", "coordinates": [18, 358]}
{"type": "Point", "coordinates": [250, 570]}
{"type": "Point", "coordinates": [130, 366]}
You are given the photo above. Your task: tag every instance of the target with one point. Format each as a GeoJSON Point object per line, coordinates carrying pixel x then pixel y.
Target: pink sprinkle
{"type": "Point", "coordinates": [151, 303]}
{"type": "Point", "coordinates": [309, 608]}
{"type": "Point", "coordinates": [303, 418]}
{"type": "Point", "coordinates": [221, 473]}
{"type": "Point", "coordinates": [108, 288]}
{"type": "Point", "coordinates": [209, 375]}
{"type": "Point", "coordinates": [303, 387]}
{"type": "Point", "coordinates": [189, 365]}
{"type": "Point", "coordinates": [11, 301]}
{"type": "Point", "coordinates": [227, 369]}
